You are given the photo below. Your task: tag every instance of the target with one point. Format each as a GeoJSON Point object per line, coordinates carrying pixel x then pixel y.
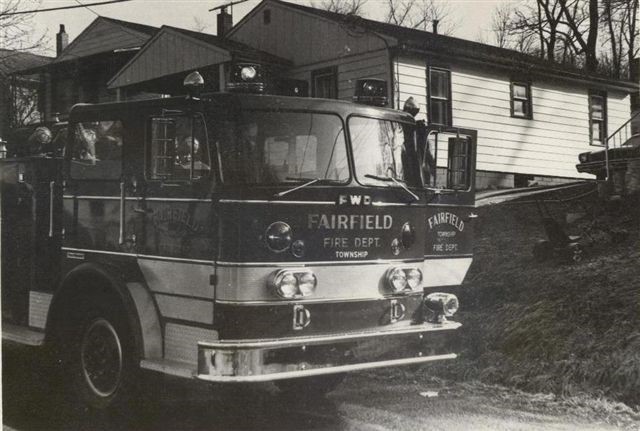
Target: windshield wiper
{"type": "Point", "coordinates": [309, 181]}
{"type": "Point", "coordinates": [388, 178]}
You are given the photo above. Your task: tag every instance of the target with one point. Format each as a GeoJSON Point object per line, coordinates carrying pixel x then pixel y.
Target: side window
{"type": "Point", "coordinates": [439, 110]}
{"type": "Point", "coordinates": [447, 159]}
{"type": "Point", "coordinates": [521, 100]}
{"type": "Point", "coordinates": [97, 150]}
{"type": "Point", "coordinates": [178, 149]}
{"type": "Point", "coordinates": [598, 118]}
{"type": "Point", "coordinates": [458, 172]}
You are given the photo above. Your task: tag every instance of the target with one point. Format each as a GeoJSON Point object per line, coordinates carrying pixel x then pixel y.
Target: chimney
{"type": "Point", "coordinates": [62, 40]}
{"type": "Point", "coordinates": [435, 26]}
{"type": "Point", "coordinates": [225, 22]}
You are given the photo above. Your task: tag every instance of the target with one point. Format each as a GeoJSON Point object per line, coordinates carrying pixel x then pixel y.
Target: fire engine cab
{"type": "Point", "coordinates": [235, 237]}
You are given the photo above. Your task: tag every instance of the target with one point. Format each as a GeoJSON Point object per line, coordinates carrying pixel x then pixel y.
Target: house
{"type": "Point", "coordinates": [81, 69]}
{"type": "Point", "coordinates": [118, 60]}
{"type": "Point", "coordinates": [162, 63]}
{"type": "Point", "coordinates": [533, 117]}
{"type": "Point", "coordinates": [19, 103]}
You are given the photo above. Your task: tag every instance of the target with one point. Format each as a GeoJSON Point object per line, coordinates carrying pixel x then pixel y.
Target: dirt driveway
{"type": "Point", "coordinates": [371, 401]}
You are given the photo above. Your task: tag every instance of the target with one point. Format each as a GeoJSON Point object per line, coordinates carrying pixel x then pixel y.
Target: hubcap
{"type": "Point", "coordinates": [101, 356]}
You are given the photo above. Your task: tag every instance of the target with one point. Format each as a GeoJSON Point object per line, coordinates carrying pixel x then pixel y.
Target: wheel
{"type": "Point", "coordinates": [310, 387]}
{"type": "Point", "coordinates": [101, 360]}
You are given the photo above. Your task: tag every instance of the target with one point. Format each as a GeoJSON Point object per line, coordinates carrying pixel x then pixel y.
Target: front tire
{"type": "Point", "coordinates": [101, 361]}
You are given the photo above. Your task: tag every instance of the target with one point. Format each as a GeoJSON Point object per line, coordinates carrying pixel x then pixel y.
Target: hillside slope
{"type": "Point", "coordinates": [554, 326]}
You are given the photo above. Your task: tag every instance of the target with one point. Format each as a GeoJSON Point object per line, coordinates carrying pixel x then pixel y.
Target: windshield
{"type": "Point", "coordinates": [282, 147]}
{"type": "Point", "coordinates": [381, 151]}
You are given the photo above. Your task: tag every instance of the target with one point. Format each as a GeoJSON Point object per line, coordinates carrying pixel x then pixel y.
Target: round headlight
{"type": "Point", "coordinates": [307, 283]}
{"type": "Point", "coordinates": [397, 280]}
{"type": "Point", "coordinates": [278, 236]}
{"type": "Point", "coordinates": [286, 285]}
{"type": "Point", "coordinates": [407, 235]}
{"type": "Point", "coordinates": [414, 278]}
{"type": "Point", "coordinates": [248, 73]}
{"type": "Point", "coordinates": [451, 305]}
{"type": "Point", "coordinates": [444, 303]}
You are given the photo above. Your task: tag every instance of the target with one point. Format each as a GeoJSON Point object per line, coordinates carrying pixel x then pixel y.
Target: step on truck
{"type": "Point", "coordinates": [232, 237]}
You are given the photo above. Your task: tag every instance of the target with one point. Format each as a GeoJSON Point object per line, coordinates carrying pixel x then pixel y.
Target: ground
{"type": "Point", "coordinates": [376, 400]}
{"type": "Point", "coordinates": [554, 326]}
{"type": "Point", "coordinates": [545, 345]}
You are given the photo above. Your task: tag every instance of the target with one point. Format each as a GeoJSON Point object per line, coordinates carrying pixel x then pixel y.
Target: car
{"type": "Point", "coordinates": [594, 162]}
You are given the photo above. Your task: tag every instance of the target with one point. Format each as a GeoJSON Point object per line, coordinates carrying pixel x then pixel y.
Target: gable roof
{"type": "Point", "coordinates": [106, 35]}
{"type": "Point", "coordinates": [246, 51]}
{"type": "Point", "coordinates": [174, 50]}
{"type": "Point", "coordinates": [14, 61]}
{"type": "Point", "coordinates": [424, 41]}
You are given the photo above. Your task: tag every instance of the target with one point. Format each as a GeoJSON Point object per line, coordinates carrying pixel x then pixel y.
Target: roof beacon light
{"type": "Point", "coordinates": [246, 78]}
{"type": "Point", "coordinates": [193, 82]}
{"type": "Point", "coordinates": [371, 91]}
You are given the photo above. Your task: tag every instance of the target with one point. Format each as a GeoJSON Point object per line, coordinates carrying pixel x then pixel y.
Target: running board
{"type": "Point", "coordinates": [22, 335]}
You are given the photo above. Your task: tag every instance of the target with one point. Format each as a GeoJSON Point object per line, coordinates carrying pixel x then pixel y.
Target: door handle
{"type": "Point", "coordinates": [143, 210]}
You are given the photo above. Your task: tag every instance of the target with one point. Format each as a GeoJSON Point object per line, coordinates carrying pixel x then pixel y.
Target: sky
{"type": "Point", "coordinates": [473, 16]}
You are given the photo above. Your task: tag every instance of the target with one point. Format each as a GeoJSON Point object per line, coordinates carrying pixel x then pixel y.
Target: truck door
{"type": "Point", "coordinates": [175, 227]}
{"type": "Point", "coordinates": [448, 167]}
{"type": "Point", "coordinates": [30, 206]}
{"type": "Point", "coordinates": [93, 210]}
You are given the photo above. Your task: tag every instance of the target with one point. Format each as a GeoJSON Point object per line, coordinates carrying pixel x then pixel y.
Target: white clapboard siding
{"type": "Point", "coordinates": [548, 144]}
{"type": "Point", "coordinates": [350, 69]}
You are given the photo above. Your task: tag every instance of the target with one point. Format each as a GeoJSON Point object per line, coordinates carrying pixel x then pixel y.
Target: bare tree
{"type": "Point", "coordinates": [355, 7]}
{"type": "Point", "coordinates": [539, 20]}
{"type": "Point", "coordinates": [17, 31]}
{"type": "Point", "coordinates": [501, 23]}
{"type": "Point", "coordinates": [23, 108]}
{"type": "Point", "coordinates": [420, 14]}
{"type": "Point", "coordinates": [619, 25]}
{"type": "Point", "coordinates": [200, 25]}
{"type": "Point", "coordinates": [583, 22]}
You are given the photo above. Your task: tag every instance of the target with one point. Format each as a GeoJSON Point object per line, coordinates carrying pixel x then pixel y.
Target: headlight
{"type": "Point", "coordinates": [278, 236]}
{"type": "Point", "coordinates": [442, 304]}
{"type": "Point", "coordinates": [401, 280]}
{"type": "Point", "coordinates": [414, 278]}
{"type": "Point", "coordinates": [583, 157]}
{"type": "Point", "coordinates": [397, 280]}
{"type": "Point", "coordinates": [286, 285]}
{"type": "Point", "coordinates": [290, 284]}
{"type": "Point", "coordinates": [307, 283]}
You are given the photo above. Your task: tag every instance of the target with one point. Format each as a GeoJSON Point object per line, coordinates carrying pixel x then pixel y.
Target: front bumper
{"type": "Point", "coordinates": [259, 361]}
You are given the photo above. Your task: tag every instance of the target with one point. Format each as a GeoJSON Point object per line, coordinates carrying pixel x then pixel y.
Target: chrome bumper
{"type": "Point", "coordinates": [260, 361]}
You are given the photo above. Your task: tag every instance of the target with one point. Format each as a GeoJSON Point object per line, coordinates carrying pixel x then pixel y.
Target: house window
{"type": "Point", "coordinates": [598, 118]}
{"type": "Point", "coordinates": [325, 83]}
{"type": "Point", "coordinates": [439, 110]}
{"type": "Point", "coordinates": [521, 100]}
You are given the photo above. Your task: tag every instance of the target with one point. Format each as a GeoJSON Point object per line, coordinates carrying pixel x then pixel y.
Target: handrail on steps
{"type": "Point", "coordinates": [613, 136]}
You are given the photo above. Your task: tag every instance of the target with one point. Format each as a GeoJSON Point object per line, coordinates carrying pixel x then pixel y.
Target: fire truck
{"type": "Point", "coordinates": [235, 237]}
